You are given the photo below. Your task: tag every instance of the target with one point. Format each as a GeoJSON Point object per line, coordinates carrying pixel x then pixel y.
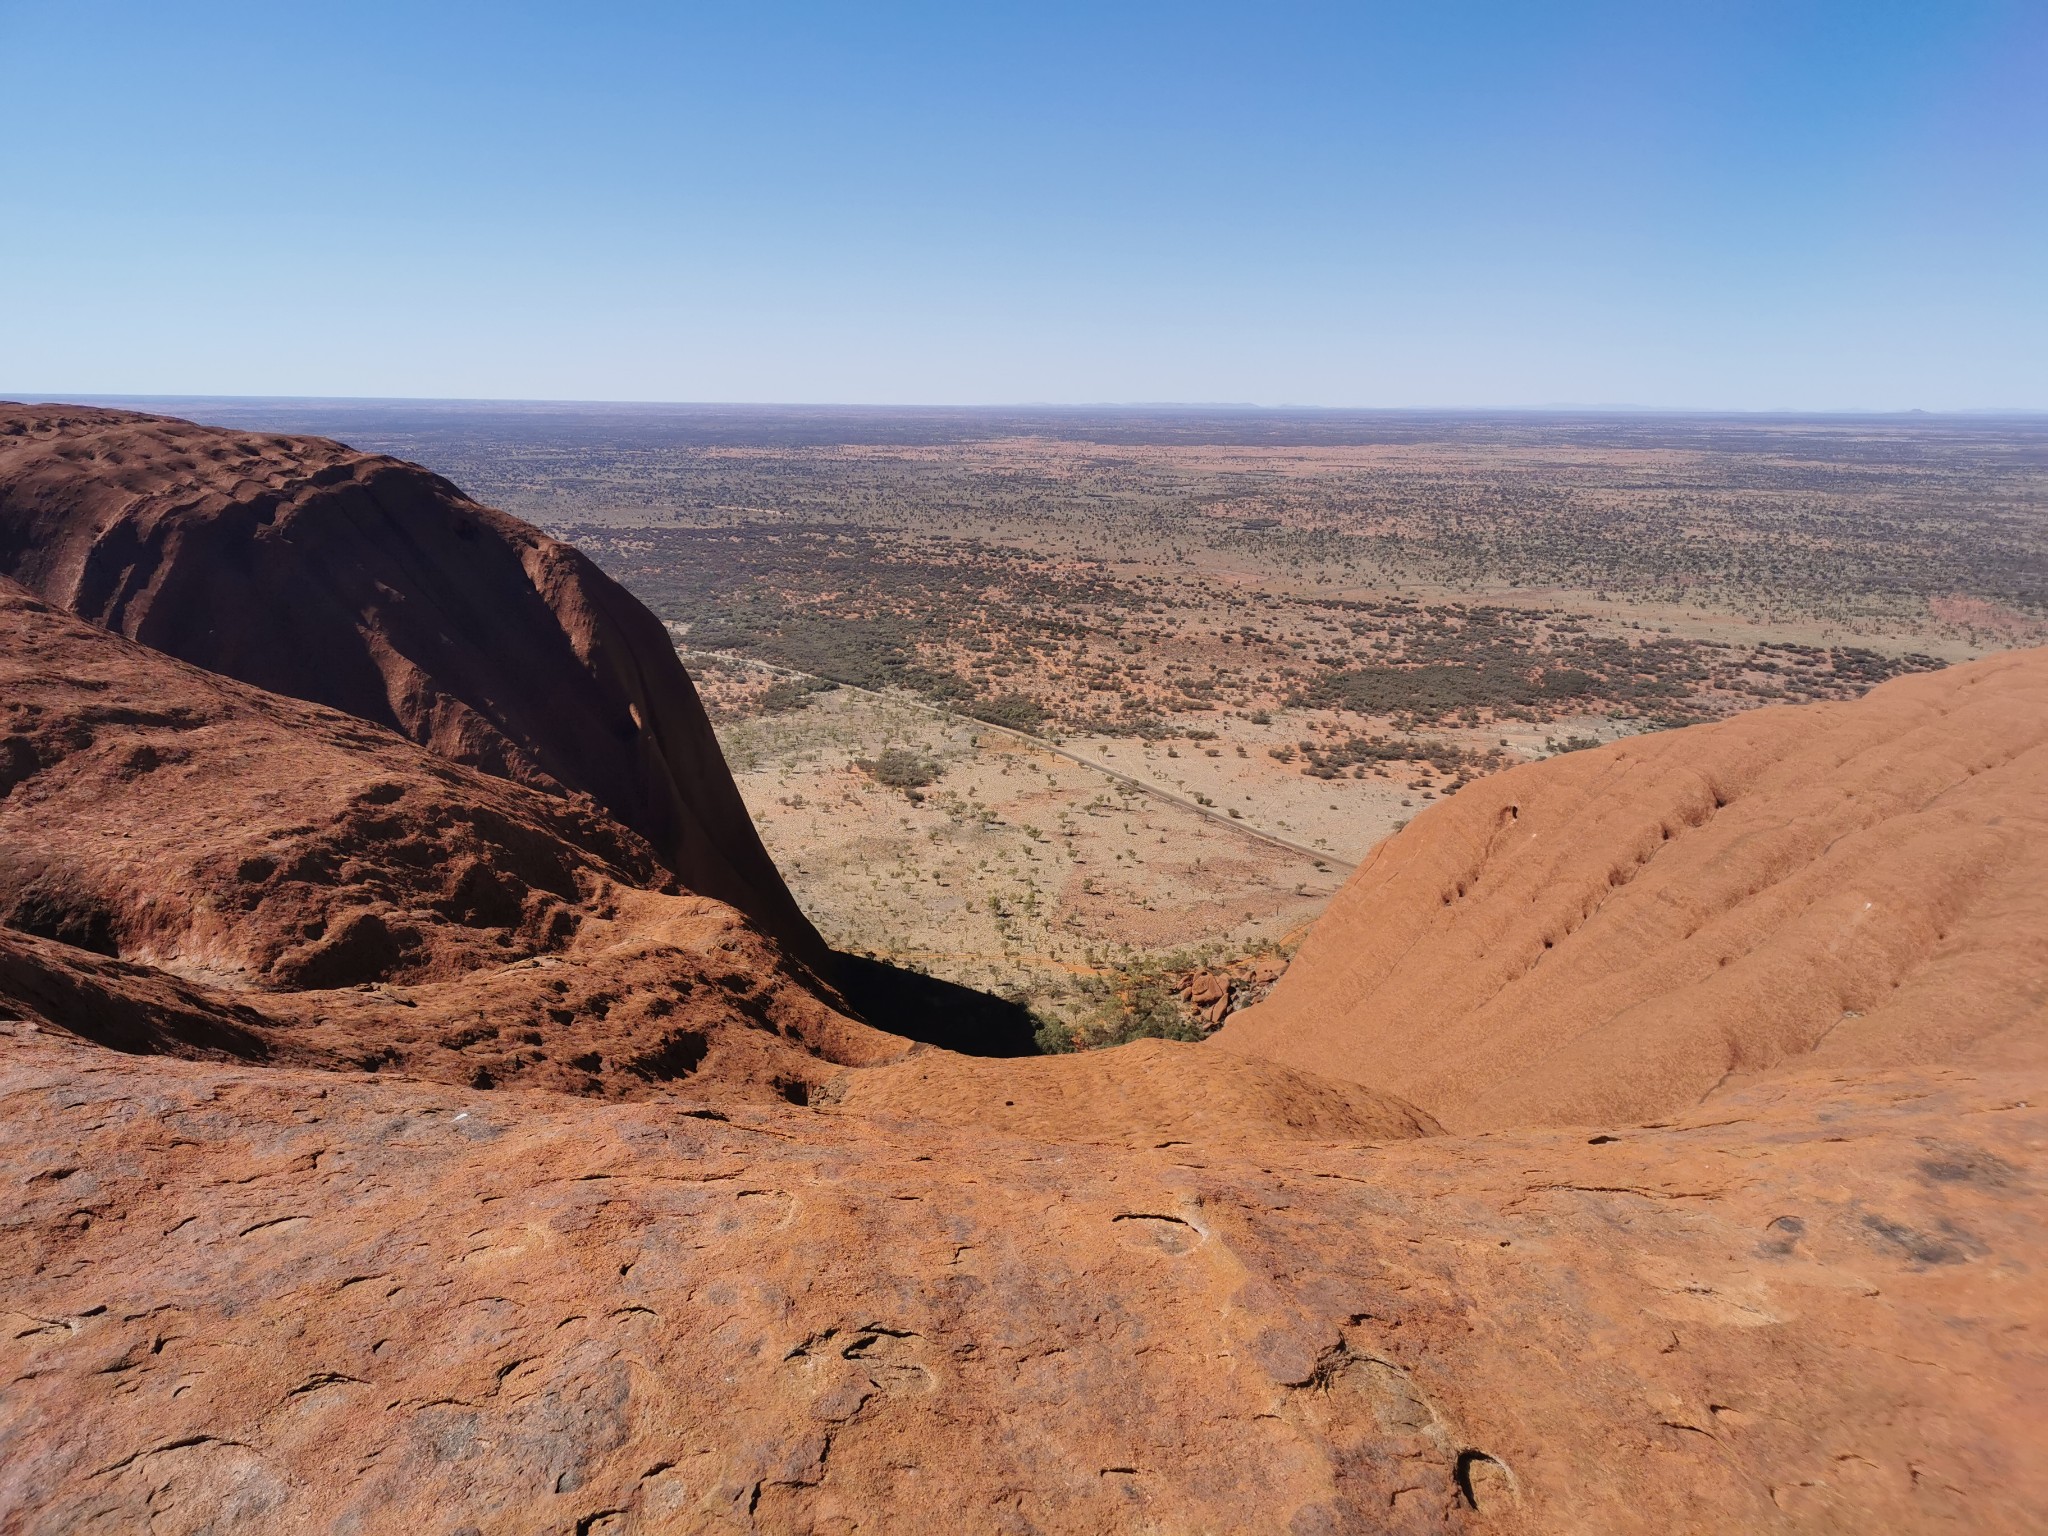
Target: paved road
{"type": "Point", "coordinates": [1143, 786]}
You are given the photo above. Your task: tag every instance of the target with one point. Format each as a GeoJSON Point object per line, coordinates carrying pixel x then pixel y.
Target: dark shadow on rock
{"type": "Point", "coordinates": [941, 1013]}
{"type": "Point", "coordinates": [131, 1008]}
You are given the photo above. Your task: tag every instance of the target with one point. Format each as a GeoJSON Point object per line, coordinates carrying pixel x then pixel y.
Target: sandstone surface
{"type": "Point", "coordinates": [368, 584]}
{"type": "Point", "coordinates": [318, 884]}
{"type": "Point", "coordinates": [1618, 933]}
{"type": "Point", "coordinates": [401, 1146]}
{"type": "Point", "coordinates": [265, 1298]}
{"type": "Point", "coordinates": [1146, 1091]}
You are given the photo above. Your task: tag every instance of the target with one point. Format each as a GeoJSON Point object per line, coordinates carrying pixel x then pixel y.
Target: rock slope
{"type": "Point", "coordinates": [271, 1299]}
{"type": "Point", "coordinates": [1150, 1090]}
{"type": "Point", "coordinates": [1615, 934]}
{"type": "Point", "coordinates": [193, 866]}
{"type": "Point", "coordinates": [397, 1146]}
{"type": "Point", "coordinates": [328, 891]}
{"type": "Point", "coordinates": [372, 586]}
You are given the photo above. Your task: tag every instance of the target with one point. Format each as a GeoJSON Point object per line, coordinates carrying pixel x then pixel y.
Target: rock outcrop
{"type": "Point", "coordinates": [193, 866]}
{"type": "Point", "coordinates": [1615, 934]}
{"type": "Point", "coordinates": [1154, 1091]}
{"type": "Point", "coordinates": [270, 1299]}
{"type": "Point", "coordinates": [330, 891]}
{"type": "Point", "coordinates": [367, 584]}
{"type": "Point", "coordinates": [396, 1146]}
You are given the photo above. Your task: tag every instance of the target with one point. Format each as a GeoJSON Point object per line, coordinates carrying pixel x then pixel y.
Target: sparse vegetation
{"type": "Point", "coordinates": [1039, 644]}
{"type": "Point", "coordinates": [788, 694]}
{"type": "Point", "coordinates": [1309, 627]}
{"type": "Point", "coordinates": [1018, 711]}
{"type": "Point", "coordinates": [900, 768]}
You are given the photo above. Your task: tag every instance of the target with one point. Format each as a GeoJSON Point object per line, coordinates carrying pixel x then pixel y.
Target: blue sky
{"type": "Point", "coordinates": [1720, 205]}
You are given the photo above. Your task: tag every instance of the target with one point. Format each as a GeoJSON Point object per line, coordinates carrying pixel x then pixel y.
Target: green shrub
{"type": "Point", "coordinates": [1020, 712]}
{"type": "Point", "coordinates": [899, 768]}
{"type": "Point", "coordinates": [787, 695]}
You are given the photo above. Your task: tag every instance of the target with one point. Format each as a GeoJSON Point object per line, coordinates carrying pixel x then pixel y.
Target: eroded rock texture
{"type": "Point", "coordinates": [1617, 933]}
{"type": "Point", "coordinates": [370, 585]}
{"type": "Point", "coordinates": [275, 1299]}
{"type": "Point", "coordinates": [397, 1146]}
{"type": "Point", "coordinates": [190, 848]}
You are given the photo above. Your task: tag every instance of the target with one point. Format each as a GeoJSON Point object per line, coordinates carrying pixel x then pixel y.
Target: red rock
{"type": "Point", "coordinates": [329, 891]}
{"type": "Point", "coordinates": [1148, 1090]}
{"type": "Point", "coordinates": [370, 585]}
{"type": "Point", "coordinates": [252, 1284]}
{"type": "Point", "coordinates": [1616, 934]}
{"type": "Point", "coordinates": [1206, 988]}
{"type": "Point", "coordinates": [252, 1298]}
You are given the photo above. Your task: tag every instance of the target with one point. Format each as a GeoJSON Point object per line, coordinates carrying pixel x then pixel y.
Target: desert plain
{"type": "Point", "coordinates": [695, 970]}
{"type": "Point", "coordinates": [1099, 636]}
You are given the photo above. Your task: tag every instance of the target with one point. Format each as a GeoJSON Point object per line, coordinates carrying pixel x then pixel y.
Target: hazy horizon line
{"type": "Point", "coordinates": [1615, 408]}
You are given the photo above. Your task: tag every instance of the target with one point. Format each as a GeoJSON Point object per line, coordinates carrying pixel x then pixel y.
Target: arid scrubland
{"type": "Point", "coordinates": [1156, 680]}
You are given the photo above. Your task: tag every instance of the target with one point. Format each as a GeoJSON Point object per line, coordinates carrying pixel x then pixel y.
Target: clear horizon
{"type": "Point", "coordinates": [1592, 408]}
{"type": "Point", "coordinates": [1813, 208]}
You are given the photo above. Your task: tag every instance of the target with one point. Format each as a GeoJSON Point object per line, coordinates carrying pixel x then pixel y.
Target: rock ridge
{"type": "Point", "coordinates": [373, 586]}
